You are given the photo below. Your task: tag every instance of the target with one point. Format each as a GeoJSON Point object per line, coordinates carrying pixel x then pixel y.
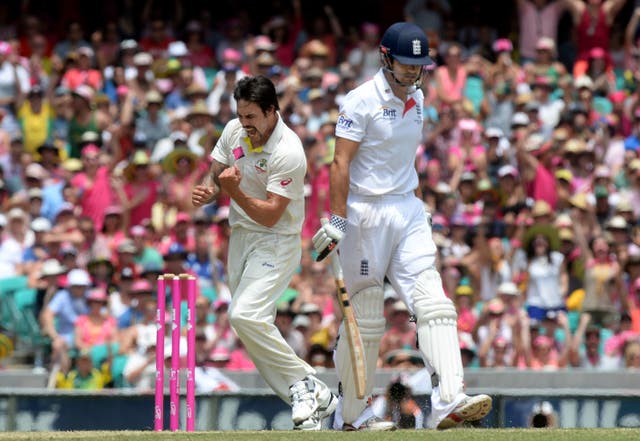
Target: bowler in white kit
{"type": "Point", "coordinates": [260, 163]}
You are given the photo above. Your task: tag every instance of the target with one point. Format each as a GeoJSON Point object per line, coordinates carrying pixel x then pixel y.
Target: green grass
{"type": "Point", "coordinates": [404, 435]}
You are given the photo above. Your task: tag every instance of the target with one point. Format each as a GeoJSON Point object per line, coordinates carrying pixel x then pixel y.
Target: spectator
{"type": "Point", "coordinates": [97, 326]}
{"type": "Point", "coordinates": [547, 14]}
{"type": "Point", "coordinates": [59, 316]}
{"type": "Point", "coordinates": [401, 334]}
{"type": "Point", "coordinates": [85, 376]}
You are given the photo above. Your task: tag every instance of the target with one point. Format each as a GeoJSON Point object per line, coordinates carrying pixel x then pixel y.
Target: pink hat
{"type": "Point", "coordinates": [219, 303]}
{"type": "Point", "coordinates": [141, 285]}
{"type": "Point", "coordinates": [231, 55]}
{"type": "Point", "coordinates": [618, 96]}
{"type": "Point", "coordinates": [468, 124]}
{"type": "Point", "coordinates": [97, 295]}
{"type": "Point", "coordinates": [122, 89]}
{"type": "Point", "coordinates": [90, 150]}
{"type": "Point", "coordinates": [137, 231]}
{"type": "Point", "coordinates": [597, 52]}
{"type": "Point", "coordinates": [183, 217]}
{"type": "Point", "coordinates": [542, 340]}
{"type": "Point", "coordinates": [502, 45]}
{"type": "Point", "coordinates": [5, 48]}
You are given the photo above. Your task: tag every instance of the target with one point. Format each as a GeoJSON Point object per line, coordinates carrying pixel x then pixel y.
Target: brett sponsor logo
{"type": "Point", "coordinates": [388, 113]}
{"type": "Point", "coordinates": [344, 122]}
{"type": "Point", "coordinates": [286, 182]}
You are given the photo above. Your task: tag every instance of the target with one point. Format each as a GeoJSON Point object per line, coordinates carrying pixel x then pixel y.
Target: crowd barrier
{"type": "Point", "coordinates": [600, 400]}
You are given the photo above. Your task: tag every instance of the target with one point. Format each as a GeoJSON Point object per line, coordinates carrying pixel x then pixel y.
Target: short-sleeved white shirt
{"type": "Point", "coordinates": [388, 131]}
{"type": "Point", "coordinates": [279, 168]}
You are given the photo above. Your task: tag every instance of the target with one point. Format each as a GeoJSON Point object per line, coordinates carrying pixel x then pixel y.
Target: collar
{"type": "Point", "coordinates": [382, 86]}
{"type": "Point", "coordinates": [384, 89]}
{"type": "Point", "coordinates": [271, 143]}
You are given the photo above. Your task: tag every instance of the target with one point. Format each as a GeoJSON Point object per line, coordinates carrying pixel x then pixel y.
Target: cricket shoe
{"type": "Point", "coordinates": [311, 402]}
{"type": "Point", "coordinates": [470, 409]}
{"type": "Point", "coordinates": [373, 424]}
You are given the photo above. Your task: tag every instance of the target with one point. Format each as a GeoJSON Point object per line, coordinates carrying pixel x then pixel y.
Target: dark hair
{"type": "Point", "coordinates": [259, 90]}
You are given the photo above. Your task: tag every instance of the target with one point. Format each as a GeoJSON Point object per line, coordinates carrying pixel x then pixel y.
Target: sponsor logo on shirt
{"type": "Point", "coordinates": [344, 122]}
{"type": "Point", "coordinates": [261, 166]}
{"type": "Point", "coordinates": [238, 153]}
{"type": "Point", "coordinates": [388, 113]}
{"type": "Point", "coordinates": [286, 182]}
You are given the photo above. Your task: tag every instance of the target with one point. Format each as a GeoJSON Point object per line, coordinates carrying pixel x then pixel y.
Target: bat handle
{"type": "Point", "coordinates": [336, 267]}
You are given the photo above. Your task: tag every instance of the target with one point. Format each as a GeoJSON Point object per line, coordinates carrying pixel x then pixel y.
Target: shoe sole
{"type": "Point", "coordinates": [474, 409]}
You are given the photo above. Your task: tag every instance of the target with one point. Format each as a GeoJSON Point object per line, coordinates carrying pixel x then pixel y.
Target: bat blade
{"type": "Point", "coordinates": [356, 349]}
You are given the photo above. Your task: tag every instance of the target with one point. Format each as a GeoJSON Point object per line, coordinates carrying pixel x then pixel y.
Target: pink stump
{"type": "Point", "coordinates": [158, 413]}
{"type": "Point", "coordinates": [191, 353]}
{"type": "Point", "coordinates": [174, 385]}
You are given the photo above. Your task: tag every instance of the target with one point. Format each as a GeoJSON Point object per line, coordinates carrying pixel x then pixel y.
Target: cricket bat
{"type": "Point", "coordinates": [352, 333]}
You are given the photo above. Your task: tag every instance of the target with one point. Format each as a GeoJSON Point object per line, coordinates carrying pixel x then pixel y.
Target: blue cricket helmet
{"type": "Point", "coordinates": [406, 43]}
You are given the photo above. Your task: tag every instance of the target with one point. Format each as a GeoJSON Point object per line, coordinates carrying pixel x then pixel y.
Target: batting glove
{"type": "Point", "coordinates": [327, 237]}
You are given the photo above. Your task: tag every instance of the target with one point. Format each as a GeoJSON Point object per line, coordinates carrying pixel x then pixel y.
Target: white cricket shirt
{"type": "Point", "coordinates": [388, 131]}
{"type": "Point", "coordinates": [278, 167]}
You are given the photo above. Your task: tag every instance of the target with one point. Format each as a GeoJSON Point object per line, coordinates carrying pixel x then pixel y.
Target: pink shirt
{"type": "Point", "coordinates": [142, 211]}
{"type": "Point", "coordinates": [543, 187]}
{"type": "Point", "coordinates": [91, 335]}
{"type": "Point", "coordinates": [96, 196]}
{"type": "Point", "coordinates": [536, 23]}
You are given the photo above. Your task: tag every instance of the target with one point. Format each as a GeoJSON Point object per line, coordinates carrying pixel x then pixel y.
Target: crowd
{"type": "Point", "coordinates": [529, 168]}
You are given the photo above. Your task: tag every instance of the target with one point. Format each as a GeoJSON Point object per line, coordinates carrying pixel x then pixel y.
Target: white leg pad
{"type": "Point", "coordinates": [437, 322]}
{"type": "Point", "coordinates": [368, 308]}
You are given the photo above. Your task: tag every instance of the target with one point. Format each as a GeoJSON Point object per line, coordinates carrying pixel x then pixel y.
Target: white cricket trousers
{"type": "Point", "coordinates": [260, 267]}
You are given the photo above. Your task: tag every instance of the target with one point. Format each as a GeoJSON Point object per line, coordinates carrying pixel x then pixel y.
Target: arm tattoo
{"type": "Point", "coordinates": [216, 169]}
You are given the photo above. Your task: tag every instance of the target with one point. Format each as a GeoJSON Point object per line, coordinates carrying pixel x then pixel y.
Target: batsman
{"type": "Point", "coordinates": [380, 226]}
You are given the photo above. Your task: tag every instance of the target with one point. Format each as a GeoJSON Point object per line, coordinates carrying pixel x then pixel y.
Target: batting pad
{"type": "Point", "coordinates": [437, 324]}
{"type": "Point", "coordinates": [368, 308]}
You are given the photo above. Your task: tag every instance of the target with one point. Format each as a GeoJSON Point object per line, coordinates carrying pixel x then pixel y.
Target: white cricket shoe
{"type": "Point", "coordinates": [325, 402]}
{"type": "Point", "coordinates": [470, 409]}
{"type": "Point", "coordinates": [303, 400]}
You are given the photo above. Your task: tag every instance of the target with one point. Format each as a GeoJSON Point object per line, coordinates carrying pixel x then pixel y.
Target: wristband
{"type": "Point", "coordinates": [338, 222]}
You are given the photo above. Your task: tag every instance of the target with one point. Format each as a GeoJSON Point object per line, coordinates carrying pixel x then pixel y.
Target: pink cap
{"type": "Point", "coordinates": [122, 89]}
{"type": "Point", "coordinates": [502, 45]}
{"type": "Point", "coordinates": [183, 217]}
{"type": "Point", "coordinates": [231, 55]}
{"type": "Point", "coordinates": [220, 303]}
{"type": "Point", "coordinates": [90, 150]}
{"type": "Point", "coordinates": [5, 48]}
{"type": "Point", "coordinates": [597, 52]}
{"type": "Point", "coordinates": [542, 340]}
{"type": "Point", "coordinates": [97, 295]}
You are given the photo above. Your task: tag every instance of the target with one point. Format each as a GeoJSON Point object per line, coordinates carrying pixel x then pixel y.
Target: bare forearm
{"type": "Point", "coordinates": [339, 188]}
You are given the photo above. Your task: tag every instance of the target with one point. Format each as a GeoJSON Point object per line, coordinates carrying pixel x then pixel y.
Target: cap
{"type": "Point", "coordinates": [85, 50]}
{"type": "Point", "coordinates": [264, 43]}
{"type": "Point", "coordinates": [177, 49]}
{"type": "Point", "coordinates": [309, 308]}
{"type": "Point", "coordinates": [520, 119]}
{"type": "Point", "coordinates": [128, 44]}
{"type": "Point", "coordinates": [175, 249]}
{"type": "Point", "coordinates": [141, 286]}
{"type": "Point", "coordinates": [315, 94]}
{"type": "Point", "coordinates": [16, 213]}
{"type": "Point", "coordinates": [51, 267]}
{"type": "Point", "coordinates": [541, 208]}
{"type": "Point", "coordinates": [153, 97]}
{"type": "Point", "coordinates": [617, 223]}
{"type": "Point", "coordinates": [78, 277]}
{"type": "Point", "coordinates": [183, 217]}
{"type": "Point", "coordinates": [566, 234]}
{"type": "Point", "coordinates": [97, 295]}
{"type": "Point", "coordinates": [564, 175]}
{"type": "Point", "coordinates": [142, 59]}
{"type": "Point", "coordinates": [464, 290]}
{"type": "Point", "coordinates": [34, 193]}
{"type": "Point", "coordinates": [35, 171]}
{"type": "Point", "coordinates": [406, 43]}
{"type": "Point", "coordinates": [546, 43]}
{"type": "Point", "coordinates": [508, 288]}
{"type": "Point", "coordinates": [597, 52]}
{"type": "Point", "coordinates": [467, 176]}
{"type": "Point", "coordinates": [85, 92]}
{"type": "Point", "coordinates": [41, 225]}
{"type": "Point", "coordinates": [493, 132]}
{"type": "Point", "coordinates": [301, 320]}
{"type": "Point", "coordinates": [502, 45]}
{"type": "Point", "coordinates": [220, 303]}
{"type": "Point", "coordinates": [127, 246]}
{"type": "Point", "coordinates": [507, 170]}
{"type": "Point", "coordinates": [178, 136]}
{"type": "Point", "coordinates": [583, 81]}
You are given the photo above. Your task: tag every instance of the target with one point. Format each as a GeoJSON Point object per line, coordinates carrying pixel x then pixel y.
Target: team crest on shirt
{"type": "Point", "coordinates": [388, 113]}
{"type": "Point", "coordinates": [261, 166]}
{"type": "Point", "coordinates": [344, 122]}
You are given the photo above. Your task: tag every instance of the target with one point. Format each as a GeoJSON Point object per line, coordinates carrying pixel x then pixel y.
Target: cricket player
{"type": "Point", "coordinates": [260, 163]}
{"type": "Point", "coordinates": [382, 230]}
